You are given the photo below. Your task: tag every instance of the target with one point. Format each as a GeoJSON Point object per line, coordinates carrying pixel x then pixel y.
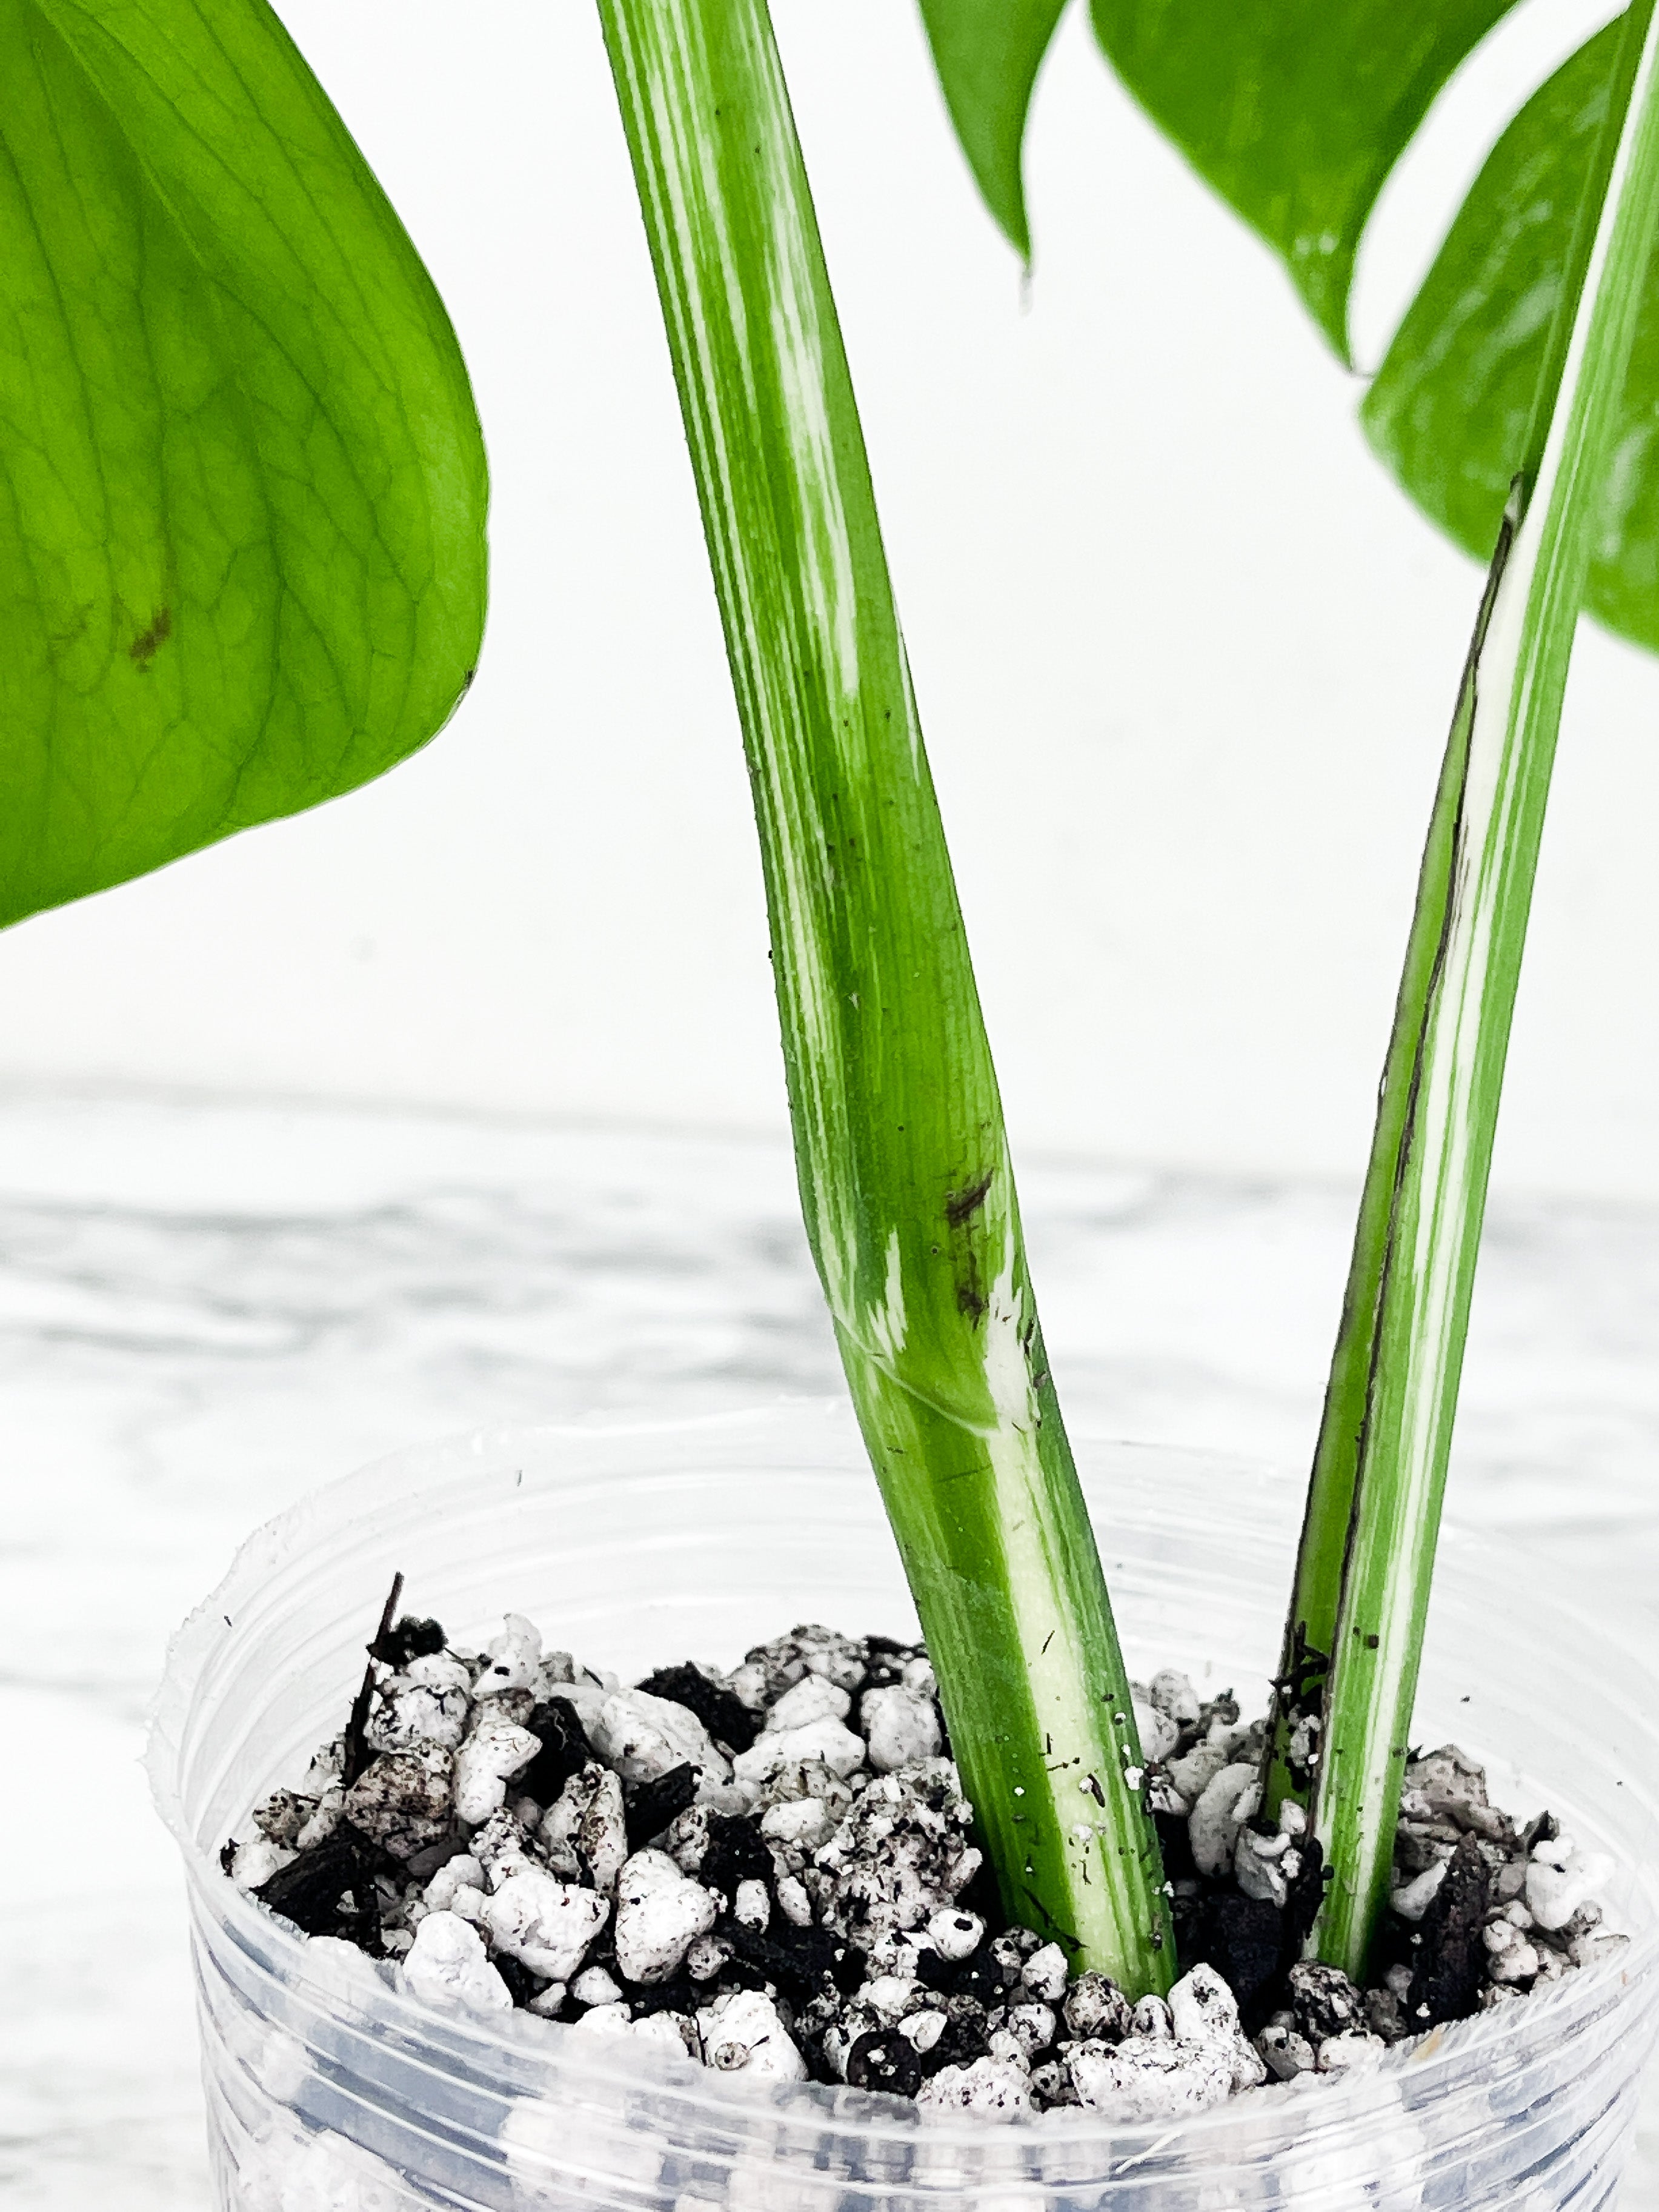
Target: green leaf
{"type": "Point", "coordinates": [242, 486]}
{"type": "Point", "coordinates": [988, 53]}
{"type": "Point", "coordinates": [1449, 409]}
{"type": "Point", "coordinates": [1294, 110]}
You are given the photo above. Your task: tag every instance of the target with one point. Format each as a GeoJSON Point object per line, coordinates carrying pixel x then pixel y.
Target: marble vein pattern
{"type": "Point", "coordinates": [208, 1308]}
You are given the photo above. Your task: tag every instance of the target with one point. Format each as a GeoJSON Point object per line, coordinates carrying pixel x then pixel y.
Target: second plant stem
{"type": "Point", "coordinates": [1361, 1602]}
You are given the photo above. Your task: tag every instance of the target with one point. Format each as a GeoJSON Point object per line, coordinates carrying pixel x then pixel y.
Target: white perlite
{"type": "Point", "coordinates": [1561, 1879]}
{"type": "Point", "coordinates": [513, 1657]}
{"type": "Point", "coordinates": [291, 2170]}
{"type": "Point", "coordinates": [1045, 1974]}
{"type": "Point", "coordinates": [991, 2088]}
{"type": "Point", "coordinates": [902, 1727]}
{"type": "Point", "coordinates": [659, 1913]}
{"type": "Point", "coordinates": [1203, 2060]}
{"type": "Point", "coordinates": [815, 1697]}
{"type": "Point", "coordinates": [429, 1703]}
{"type": "Point", "coordinates": [744, 2032]}
{"type": "Point", "coordinates": [826, 1742]}
{"type": "Point", "coordinates": [752, 1905]}
{"type": "Point", "coordinates": [1228, 1799]}
{"type": "Point", "coordinates": [405, 1799]}
{"type": "Point", "coordinates": [642, 1737]}
{"type": "Point", "coordinates": [585, 1828]}
{"type": "Point", "coordinates": [448, 1965]}
{"type": "Point", "coordinates": [495, 1750]}
{"type": "Point", "coordinates": [956, 1935]}
{"type": "Point", "coordinates": [901, 1855]}
{"type": "Point", "coordinates": [547, 1924]}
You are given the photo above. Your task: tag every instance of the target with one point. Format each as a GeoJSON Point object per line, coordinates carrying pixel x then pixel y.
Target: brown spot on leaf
{"type": "Point", "coordinates": [960, 1205]}
{"type": "Point", "coordinates": [145, 645]}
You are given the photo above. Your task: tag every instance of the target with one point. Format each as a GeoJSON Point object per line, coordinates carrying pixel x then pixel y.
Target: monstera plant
{"type": "Point", "coordinates": [1502, 401]}
{"type": "Point", "coordinates": [242, 548]}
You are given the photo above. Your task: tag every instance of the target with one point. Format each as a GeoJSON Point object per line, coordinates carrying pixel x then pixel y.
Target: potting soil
{"type": "Point", "coordinates": [772, 1870]}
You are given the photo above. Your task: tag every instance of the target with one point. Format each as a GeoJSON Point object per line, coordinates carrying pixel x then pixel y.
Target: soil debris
{"type": "Point", "coordinates": [772, 1871]}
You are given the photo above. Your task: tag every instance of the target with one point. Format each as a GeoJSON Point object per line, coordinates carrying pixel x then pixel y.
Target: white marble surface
{"type": "Point", "coordinates": [206, 1310]}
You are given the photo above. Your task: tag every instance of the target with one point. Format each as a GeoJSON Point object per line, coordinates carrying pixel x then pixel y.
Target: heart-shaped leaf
{"type": "Point", "coordinates": [242, 485]}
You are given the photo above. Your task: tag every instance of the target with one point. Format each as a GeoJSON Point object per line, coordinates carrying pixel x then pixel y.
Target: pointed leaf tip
{"type": "Point", "coordinates": [1295, 111]}
{"type": "Point", "coordinates": [988, 53]}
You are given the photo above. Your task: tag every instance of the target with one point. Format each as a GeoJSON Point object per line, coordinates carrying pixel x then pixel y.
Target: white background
{"type": "Point", "coordinates": [1184, 656]}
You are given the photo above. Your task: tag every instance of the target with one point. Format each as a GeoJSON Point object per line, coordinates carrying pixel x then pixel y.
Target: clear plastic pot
{"type": "Point", "coordinates": [330, 2091]}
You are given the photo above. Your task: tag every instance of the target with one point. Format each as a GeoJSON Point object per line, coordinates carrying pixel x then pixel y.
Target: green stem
{"type": "Point", "coordinates": [1316, 1596]}
{"type": "Point", "coordinates": [900, 1147]}
{"type": "Point", "coordinates": [1368, 1548]}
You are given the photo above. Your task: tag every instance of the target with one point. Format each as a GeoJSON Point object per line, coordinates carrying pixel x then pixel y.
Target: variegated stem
{"type": "Point", "coordinates": [1311, 1626]}
{"type": "Point", "coordinates": [902, 1159]}
{"type": "Point", "coordinates": [1316, 1593]}
{"type": "Point", "coordinates": [1395, 1386]}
